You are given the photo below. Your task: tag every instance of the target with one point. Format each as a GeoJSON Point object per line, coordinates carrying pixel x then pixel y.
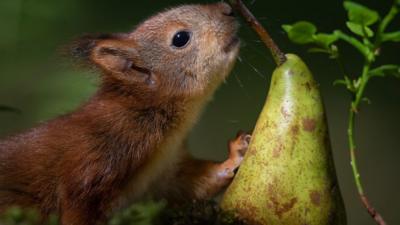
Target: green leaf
{"type": "Point", "coordinates": [349, 84]}
{"type": "Point", "coordinates": [392, 36]}
{"type": "Point", "coordinates": [360, 14]}
{"type": "Point", "coordinates": [324, 39]}
{"type": "Point", "coordinates": [301, 32]}
{"type": "Point", "coordinates": [367, 100]}
{"type": "Point", "coordinates": [332, 51]}
{"type": "Point", "coordinates": [339, 82]}
{"type": "Point", "coordinates": [385, 70]}
{"type": "Point", "coordinates": [319, 50]}
{"type": "Point", "coordinates": [287, 27]}
{"type": "Point", "coordinates": [360, 29]}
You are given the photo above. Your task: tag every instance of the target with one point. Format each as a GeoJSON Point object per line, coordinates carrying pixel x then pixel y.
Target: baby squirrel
{"type": "Point", "coordinates": [128, 140]}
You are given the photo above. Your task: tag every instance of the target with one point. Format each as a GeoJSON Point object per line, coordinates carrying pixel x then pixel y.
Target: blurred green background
{"type": "Point", "coordinates": [36, 80]}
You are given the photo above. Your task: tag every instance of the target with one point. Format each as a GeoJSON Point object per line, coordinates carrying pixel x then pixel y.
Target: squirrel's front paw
{"type": "Point", "coordinates": [238, 146]}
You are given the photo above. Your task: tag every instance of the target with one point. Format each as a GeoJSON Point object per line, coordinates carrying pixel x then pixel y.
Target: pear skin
{"type": "Point", "coordinates": [287, 176]}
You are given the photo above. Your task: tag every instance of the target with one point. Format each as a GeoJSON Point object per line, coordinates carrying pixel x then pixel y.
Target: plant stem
{"type": "Point", "coordinates": [363, 83]}
{"type": "Point", "coordinates": [357, 98]}
{"type": "Point", "coordinates": [390, 35]}
{"type": "Point", "coordinates": [385, 22]}
{"type": "Point", "coordinates": [277, 54]}
{"type": "Point", "coordinates": [352, 145]}
{"type": "Point", "coordinates": [371, 210]}
{"type": "Point", "coordinates": [350, 132]}
{"type": "Point", "coordinates": [368, 55]}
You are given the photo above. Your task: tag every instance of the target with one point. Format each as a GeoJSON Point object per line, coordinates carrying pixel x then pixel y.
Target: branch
{"type": "Point", "coordinates": [350, 132]}
{"type": "Point", "coordinates": [356, 44]}
{"type": "Point", "coordinates": [385, 22]}
{"type": "Point", "coordinates": [277, 54]}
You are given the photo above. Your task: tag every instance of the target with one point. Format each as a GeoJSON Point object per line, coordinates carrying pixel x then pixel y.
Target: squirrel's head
{"type": "Point", "coordinates": [187, 50]}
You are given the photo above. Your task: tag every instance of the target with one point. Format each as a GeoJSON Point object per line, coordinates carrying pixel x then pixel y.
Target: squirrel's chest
{"type": "Point", "coordinates": [162, 164]}
{"type": "Point", "coordinates": [153, 176]}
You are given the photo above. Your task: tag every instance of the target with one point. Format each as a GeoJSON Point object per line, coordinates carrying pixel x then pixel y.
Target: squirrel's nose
{"type": "Point", "coordinates": [226, 9]}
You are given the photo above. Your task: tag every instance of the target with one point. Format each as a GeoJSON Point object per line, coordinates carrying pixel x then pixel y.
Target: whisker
{"type": "Point", "coordinates": [233, 121]}
{"type": "Point", "coordinates": [238, 80]}
{"type": "Point", "coordinates": [240, 83]}
{"type": "Point", "coordinates": [255, 70]}
{"type": "Point", "coordinates": [259, 52]}
{"type": "Point", "coordinates": [272, 21]}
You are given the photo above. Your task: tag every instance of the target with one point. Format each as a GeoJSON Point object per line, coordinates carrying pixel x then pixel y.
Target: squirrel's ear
{"type": "Point", "coordinates": [114, 56]}
{"type": "Point", "coordinates": [117, 56]}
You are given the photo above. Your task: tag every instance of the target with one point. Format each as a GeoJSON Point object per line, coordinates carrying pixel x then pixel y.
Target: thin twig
{"type": "Point", "coordinates": [385, 22]}
{"type": "Point", "coordinates": [277, 54]}
{"type": "Point", "coordinates": [371, 210]}
{"type": "Point", "coordinates": [357, 98]}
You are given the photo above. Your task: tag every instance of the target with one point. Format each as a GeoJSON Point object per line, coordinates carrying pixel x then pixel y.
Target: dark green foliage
{"type": "Point", "coordinates": [143, 213]}
{"type": "Point", "coordinates": [197, 213]}
{"type": "Point", "coordinates": [360, 17]}
{"type": "Point", "coordinates": [360, 14]}
{"type": "Point", "coordinates": [18, 216]}
{"type": "Point", "coordinates": [385, 70]}
{"type": "Point", "coordinates": [359, 29]}
{"type": "Point", "coordinates": [360, 21]}
{"type": "Point", "coordinates": [302, 32]}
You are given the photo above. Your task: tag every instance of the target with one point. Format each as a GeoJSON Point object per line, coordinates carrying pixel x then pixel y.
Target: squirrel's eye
{"type": "Point", "coordinates": [181, 39]}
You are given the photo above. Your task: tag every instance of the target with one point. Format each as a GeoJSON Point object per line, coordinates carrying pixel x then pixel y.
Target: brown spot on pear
{"type": "Point", "coordinates": [315, 198]}
{"type": "Point", "coordinates": [309, 124]}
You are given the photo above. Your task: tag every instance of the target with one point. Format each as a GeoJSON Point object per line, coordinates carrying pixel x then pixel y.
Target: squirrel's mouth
{"type": "Point", "coordinates": [232, 44]}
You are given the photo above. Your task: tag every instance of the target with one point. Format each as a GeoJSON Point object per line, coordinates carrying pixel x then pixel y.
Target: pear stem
{"type": "Point", "coordinates": [277, 54]}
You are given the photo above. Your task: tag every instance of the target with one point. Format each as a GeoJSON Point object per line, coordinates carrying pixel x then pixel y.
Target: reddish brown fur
{"type": "Point", "coordinates": [129, 136]}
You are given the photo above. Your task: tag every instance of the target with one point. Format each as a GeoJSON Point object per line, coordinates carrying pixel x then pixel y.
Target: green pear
{"type": "Point", "coordinates": [287, 176]}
